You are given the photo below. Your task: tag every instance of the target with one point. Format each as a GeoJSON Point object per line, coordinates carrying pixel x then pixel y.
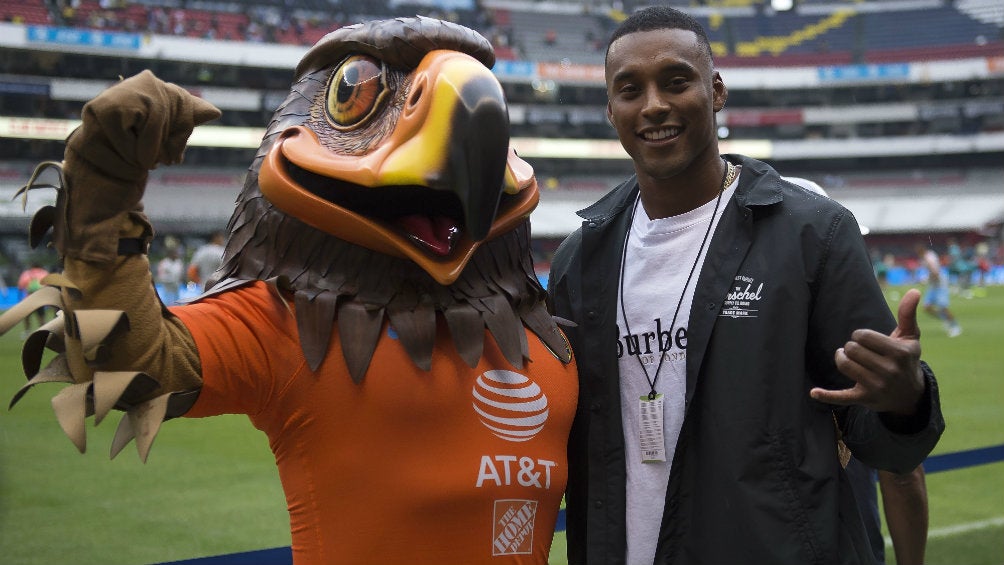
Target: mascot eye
{"type": "Point", "coordinates": [356, 91]}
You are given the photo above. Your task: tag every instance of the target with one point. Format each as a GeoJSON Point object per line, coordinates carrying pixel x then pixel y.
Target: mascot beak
{"type": "Point", "coordinates": [452, 136]}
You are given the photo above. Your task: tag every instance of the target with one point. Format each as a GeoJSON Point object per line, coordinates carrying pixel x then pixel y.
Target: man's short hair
{"type": "Point", "coordinates": [660, 17]}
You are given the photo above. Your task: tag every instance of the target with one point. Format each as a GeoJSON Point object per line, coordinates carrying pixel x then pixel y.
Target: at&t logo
{"type": "Point", "coordinates": [510, 405]}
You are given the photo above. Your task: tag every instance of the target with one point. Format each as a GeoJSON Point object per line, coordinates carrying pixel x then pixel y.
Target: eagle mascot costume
{"type": "Point", "coordinates": [376, 313]}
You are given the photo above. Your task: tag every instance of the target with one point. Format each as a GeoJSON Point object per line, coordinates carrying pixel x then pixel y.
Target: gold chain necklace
{"type": "Point", "coordinates": [731, 172]}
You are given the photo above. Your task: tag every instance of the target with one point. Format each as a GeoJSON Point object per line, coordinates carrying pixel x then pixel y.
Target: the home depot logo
{"type": "Point", "coordinates": [513, 532]}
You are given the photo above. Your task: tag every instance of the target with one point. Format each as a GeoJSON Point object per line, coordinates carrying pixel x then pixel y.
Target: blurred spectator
{"type": "Point", "coordinates": [982, 252]}
{"type": "Point", "coordinates": [157, 20]}
{"type": "Point", "coordinates": [206, 260]}
{"type": "Point", "coordinates": [30, 281]}
{"type": "Point", "coordinates": [960, 267]}
{"type": "Point", "coordinates": [880, 267]}
{"type": "Point", "coordinates": [936, 297]}
{"type": "Point", "coordinates": [170, 272]}
{"type": "Point", "coordinates": [178, 25]}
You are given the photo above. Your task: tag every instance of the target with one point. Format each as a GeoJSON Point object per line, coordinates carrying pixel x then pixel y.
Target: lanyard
{"type": "Point", "coordinates": [728, 177]}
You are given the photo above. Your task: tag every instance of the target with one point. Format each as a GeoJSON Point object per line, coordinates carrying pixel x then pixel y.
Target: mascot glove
{"type": "Point", "coordinates": [127, 130]}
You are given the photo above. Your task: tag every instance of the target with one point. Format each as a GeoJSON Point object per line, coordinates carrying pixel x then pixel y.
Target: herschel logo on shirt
{"type": "Point", "coordinates": [509, 404]}
{"type": "Point", "coordinates": [742, 301]}
{"type": "Point", "coordinates": [513, 527]}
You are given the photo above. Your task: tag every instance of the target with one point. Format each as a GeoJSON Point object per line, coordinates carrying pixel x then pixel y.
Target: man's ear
{"type": "Point", "coordinates": [610, 115]}
{"type": "Point", "coordinates": [721, 92]}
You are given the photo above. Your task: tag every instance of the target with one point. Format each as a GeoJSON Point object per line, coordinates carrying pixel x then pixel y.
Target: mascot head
{"type": "Point", "coordinates": [385, 187]}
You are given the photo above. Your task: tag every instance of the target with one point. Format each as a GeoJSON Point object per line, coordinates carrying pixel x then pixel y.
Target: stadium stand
{"type": "Point", "coordinates": [880, 102]}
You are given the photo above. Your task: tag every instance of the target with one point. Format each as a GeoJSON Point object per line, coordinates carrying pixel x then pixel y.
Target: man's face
{"type": "Point", "coordinates": [662, 98]}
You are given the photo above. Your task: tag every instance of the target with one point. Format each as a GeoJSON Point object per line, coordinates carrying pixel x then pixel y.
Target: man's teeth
{"type": "Point", "coordinates": [661, 134]}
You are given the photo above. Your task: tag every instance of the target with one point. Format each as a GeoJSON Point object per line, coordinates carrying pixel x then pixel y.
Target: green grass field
{"type": "Point", "coordinates": [210, 486]}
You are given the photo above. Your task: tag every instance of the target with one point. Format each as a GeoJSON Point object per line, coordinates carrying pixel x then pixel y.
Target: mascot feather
{"type": "Point", "coordinates": [376, 313]}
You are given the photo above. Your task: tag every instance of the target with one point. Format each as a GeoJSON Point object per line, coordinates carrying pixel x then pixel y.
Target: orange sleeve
{"type": "Point", "coordinates": [247, 348]}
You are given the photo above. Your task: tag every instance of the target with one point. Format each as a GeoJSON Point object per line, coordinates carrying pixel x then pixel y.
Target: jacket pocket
{"type": "Point", "coordinates": [798, 509]}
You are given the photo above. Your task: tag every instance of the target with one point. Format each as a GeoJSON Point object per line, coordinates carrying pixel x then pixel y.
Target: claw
{"type": "Point", "coordinates": [45, 296]}
{"type": "Point", "coordinates": [56, 372]}
{"type": "Point", "coordinates": [95, 327]}
{"type": "Point", "coordinates": [142, 423]}
{"type": "Point", "coordinates": [49, 336]}
{"type": "Point", "coordinates": [33, 183]}
{"type": "Point", "coordinates": [111, 386]}
{"type": "Point", "coordinates": [40, 225]}
{"type": "Point", "coordinates": [70, 406]}
{"type": "Point", "coordinates": [60, 280]}
{"type": "Point", "coordinates": [55, 328]}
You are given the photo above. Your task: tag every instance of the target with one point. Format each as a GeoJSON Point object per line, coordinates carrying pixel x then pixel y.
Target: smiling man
{"type": "Point", "coordinates": [741, 348]}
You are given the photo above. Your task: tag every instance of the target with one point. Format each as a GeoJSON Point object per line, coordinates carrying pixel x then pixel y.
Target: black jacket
{"type": "Point", "coordinates": [756, 478]}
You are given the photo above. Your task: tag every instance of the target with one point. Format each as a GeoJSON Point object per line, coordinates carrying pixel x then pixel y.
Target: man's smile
{"type": "Point", "coordinates": [660, 134]}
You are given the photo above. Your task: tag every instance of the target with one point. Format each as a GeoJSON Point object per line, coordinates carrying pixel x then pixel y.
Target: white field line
{"type": "Point", "coordinates": [959, 529]}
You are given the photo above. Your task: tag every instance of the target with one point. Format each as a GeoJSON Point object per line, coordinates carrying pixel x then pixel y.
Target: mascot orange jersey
{"type": "Point", "coordinates": [453, 465]}
{"type": "Point", "coordinates": [376, 313]}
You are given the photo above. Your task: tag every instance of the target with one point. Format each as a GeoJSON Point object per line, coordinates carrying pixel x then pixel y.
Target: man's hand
{"type": "Point", "coordinates": [885, 369]}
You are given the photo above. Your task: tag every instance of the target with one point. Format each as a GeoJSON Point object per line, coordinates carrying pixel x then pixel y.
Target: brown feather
{"type": "Point", "coordinates": [415, 324]}
{"type": "Point", "coordinates": [359, 330]}
{"type": "Point", "coordinates": [542, 324]}
{"type": "Point", "coordinates": [504, 326]}
{"type": "Point", "coordinates": [467, 330]}
{"type": "Point", "coordinates": [314, 313]}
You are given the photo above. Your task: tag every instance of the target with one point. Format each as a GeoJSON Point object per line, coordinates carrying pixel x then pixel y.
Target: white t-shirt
{"type": "Point", "coordinates": [659, 257]}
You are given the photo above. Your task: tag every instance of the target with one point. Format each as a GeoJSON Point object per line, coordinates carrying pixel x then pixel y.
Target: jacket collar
{"type": "Point", "coordinates": [612, 203]}
{"type": "Point", "coordinates": [759, 185]}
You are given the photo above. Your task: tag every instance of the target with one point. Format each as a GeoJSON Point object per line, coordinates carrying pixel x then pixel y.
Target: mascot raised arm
{"type": "Point", "coordinates": [376, 313]}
